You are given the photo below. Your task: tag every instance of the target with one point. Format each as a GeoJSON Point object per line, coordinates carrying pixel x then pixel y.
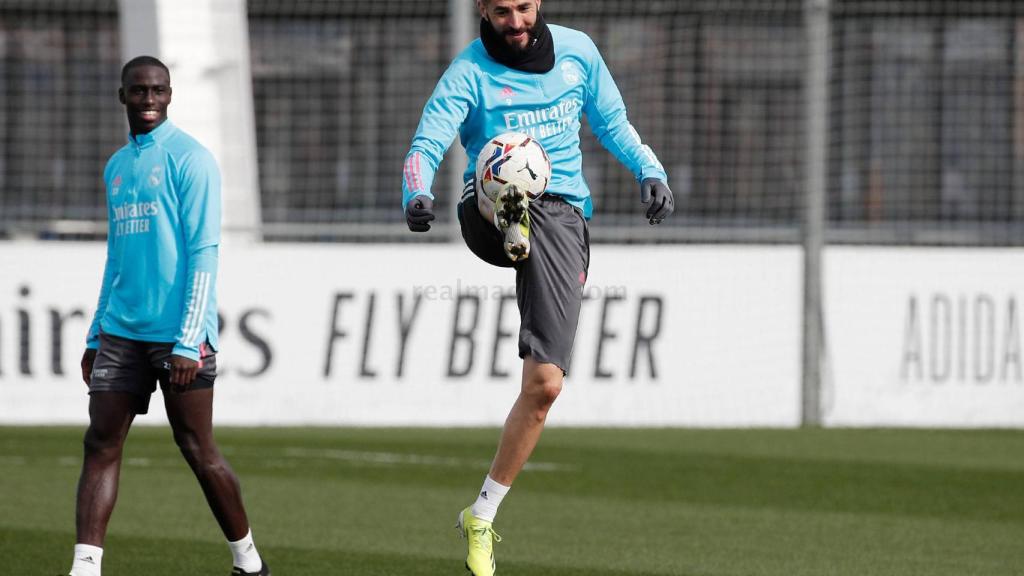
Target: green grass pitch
{"type": "Point", "coordinates": [596, 502]}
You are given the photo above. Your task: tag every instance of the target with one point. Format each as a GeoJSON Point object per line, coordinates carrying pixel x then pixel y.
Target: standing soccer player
{"type": "Point", "coordinates": [156, 320]}
{"type": "Point", "coordinates": [523, 75]}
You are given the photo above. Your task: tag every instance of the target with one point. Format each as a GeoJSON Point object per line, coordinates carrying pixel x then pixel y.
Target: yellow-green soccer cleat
{"type": "Point", "coordinates": [512, 217]}
{"type": "Point", "coordinates": [481, 537]}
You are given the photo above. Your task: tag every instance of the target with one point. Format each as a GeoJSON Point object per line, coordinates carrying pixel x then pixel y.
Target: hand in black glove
{"type": "Point", "coordinates": [418, 213]}
{"type": "Point", "coordinates": [656, 193]}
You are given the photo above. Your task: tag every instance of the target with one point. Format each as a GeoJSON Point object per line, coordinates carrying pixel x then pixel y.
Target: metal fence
{"type": "Point", "coordinates": [59, 115]}
{"type": "Point", "coordinates": [925, 131]}
{"type": "Point", "coordinates": [927, 136]}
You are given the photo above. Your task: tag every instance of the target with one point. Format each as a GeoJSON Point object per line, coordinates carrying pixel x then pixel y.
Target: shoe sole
{"type": "Point", "coordinates": [509, 216]}
{"type": "Point", "coordinates": [462, 534]}
{"type": "Point", "coordinates": [458, 526]}
{"type": "Point", "coordinates": [494, 569]}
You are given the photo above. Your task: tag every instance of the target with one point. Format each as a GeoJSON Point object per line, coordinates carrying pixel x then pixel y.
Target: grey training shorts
{"type": "Point", "coordinates": [134, 366]}
{"type": "Point", "coordinates": [549, 284]}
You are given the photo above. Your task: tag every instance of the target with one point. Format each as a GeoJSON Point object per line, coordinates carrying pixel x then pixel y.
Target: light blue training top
{"type": "Point", "coordinates": [479, 98]}
{"type": "Point", "coordinates": [163, 205]}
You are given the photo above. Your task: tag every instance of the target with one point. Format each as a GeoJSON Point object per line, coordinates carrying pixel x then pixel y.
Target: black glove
{"type": "Point", "coordinates": [418, 213]}
{"type": "Point", "coordinates": [660, 197]}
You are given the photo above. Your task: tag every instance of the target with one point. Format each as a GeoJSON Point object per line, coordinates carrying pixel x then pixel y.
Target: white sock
{"type": "Point", "coordinates": [491, 495]}
{"type": "Point", "coordinates": [87, 560]}
{"type": "Point", "coordinates": [245, 555]}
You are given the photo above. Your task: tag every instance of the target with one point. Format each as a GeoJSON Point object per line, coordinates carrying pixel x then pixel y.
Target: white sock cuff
{"type": "Point", "coordinates": [87, 561]}
{"type": "Point", "coordinates": [492, 485]}
{"type": "Point", "coordinates": [88, 549]}
{"type": "Point", "coordinates": [244, 541]}
{"type": "Point", "coordinates": [244, 553]}
{"type": "Point", "coordinates": [487, 503]}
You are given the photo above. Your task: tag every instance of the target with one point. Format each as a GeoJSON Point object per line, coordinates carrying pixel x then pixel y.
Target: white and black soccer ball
{"type": "Point", "coordinates": [513, 157]}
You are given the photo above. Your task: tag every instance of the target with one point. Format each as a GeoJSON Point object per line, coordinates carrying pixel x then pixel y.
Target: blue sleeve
{"type": "Point", "coordinates": [202, 284]}
{"type": "Point", "coordinates": [110, 268]}
{"type": "Point", "coordinates": [442, 117]}
{"type": "Point", "coordinates": [199, 199]}
{"type": "Point", "coordinates": [607, 115]}
{"type": "Point", "coordinates": [92, 340]}
{"type": "Point", "coordinates": [199, 189]}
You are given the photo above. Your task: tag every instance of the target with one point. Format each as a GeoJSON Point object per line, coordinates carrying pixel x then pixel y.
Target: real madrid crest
{"type": "Point", "coordinates": [569, 73]}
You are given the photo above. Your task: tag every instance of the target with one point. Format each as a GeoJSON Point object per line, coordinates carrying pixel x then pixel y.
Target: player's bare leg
{"type": "Point", "coordinates": [540, 387]}
{"type": "Point", "coordinates": [110, 417]}
{"type": "Point", "coordinates": [191, 417]}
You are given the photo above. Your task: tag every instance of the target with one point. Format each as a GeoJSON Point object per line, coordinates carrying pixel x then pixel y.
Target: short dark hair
{"type": "Point", "coordinates": [139, 61]}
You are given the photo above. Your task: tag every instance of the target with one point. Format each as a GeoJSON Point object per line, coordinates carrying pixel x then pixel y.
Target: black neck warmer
{"type": "Point", "coordinates": [538, 57]}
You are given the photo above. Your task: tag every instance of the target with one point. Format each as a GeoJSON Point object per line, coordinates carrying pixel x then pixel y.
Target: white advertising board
{"type": "Point", "coordinates": [924, 337]}
{"type": "Point", "coordinates": [427, 335]}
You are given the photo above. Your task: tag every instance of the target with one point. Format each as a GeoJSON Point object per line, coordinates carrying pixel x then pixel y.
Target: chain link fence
{"type": "Point", "coordinates": [59, 116]}
{"type": "Point", "coordinates": [926, 128]}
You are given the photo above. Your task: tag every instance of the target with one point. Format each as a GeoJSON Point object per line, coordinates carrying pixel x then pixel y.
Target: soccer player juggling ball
{"type": "Point", "coordinates": [156, 320]}
{"type": "Point", "coordinates": [526, 76]}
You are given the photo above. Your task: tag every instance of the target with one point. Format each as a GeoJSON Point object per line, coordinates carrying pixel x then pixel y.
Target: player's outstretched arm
{"type": "Point", "coordinates": [657, 196]}
{"type": "Point", "coordinates": [443, 114]}
{"type": "Point", "coordinates": [419, 213]}
{"type": "Point", "coordinates": [607, 115]}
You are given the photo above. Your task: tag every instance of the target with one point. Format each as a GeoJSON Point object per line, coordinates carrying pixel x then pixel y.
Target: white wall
{"type": "Point", "coordinates": [205, 45]}
{"type": "Point", "coordinates": [726, 352]}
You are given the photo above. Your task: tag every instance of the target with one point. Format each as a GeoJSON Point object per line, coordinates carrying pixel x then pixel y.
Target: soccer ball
{"type": "Point", "coordinates": [516, 158]}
